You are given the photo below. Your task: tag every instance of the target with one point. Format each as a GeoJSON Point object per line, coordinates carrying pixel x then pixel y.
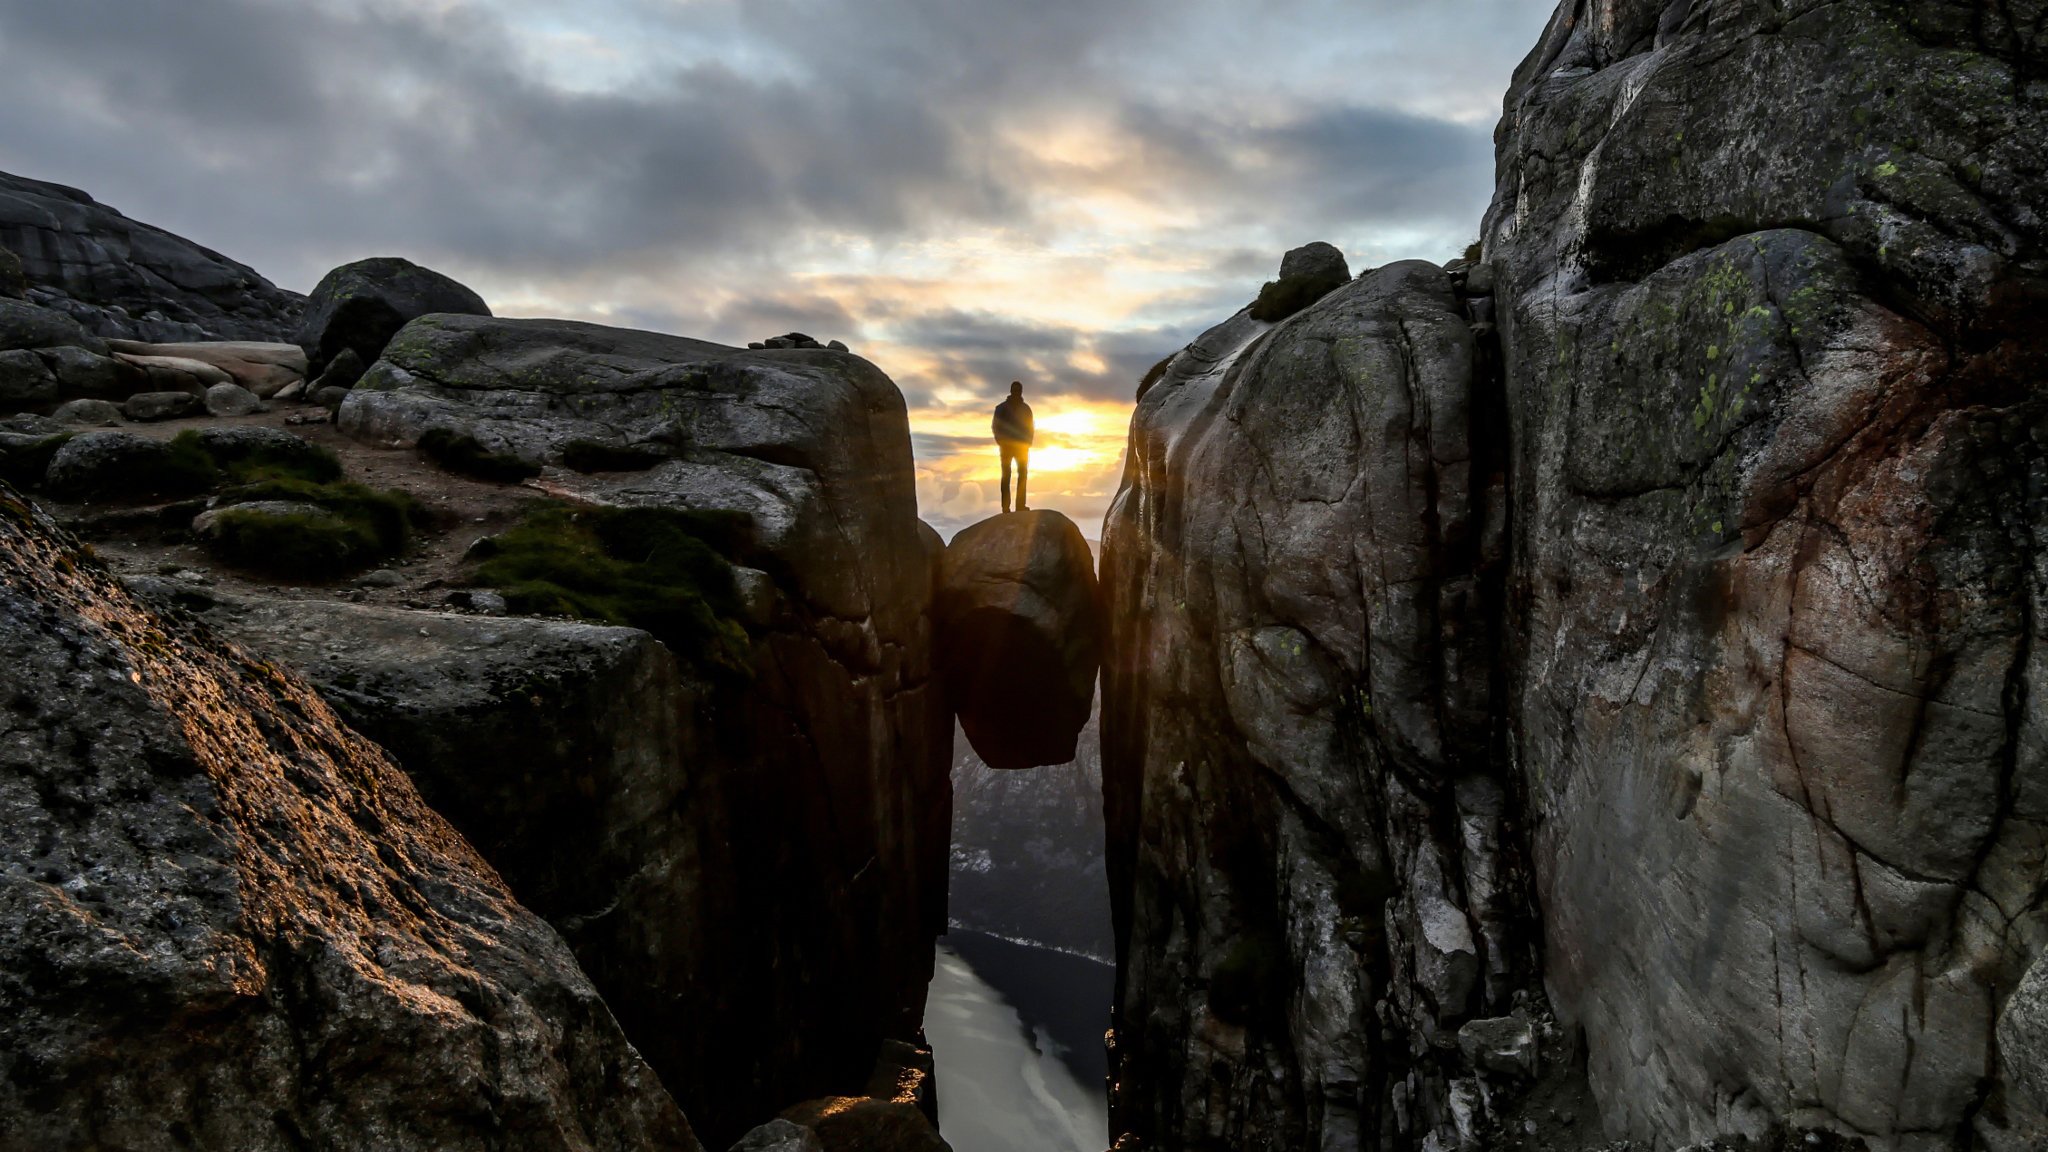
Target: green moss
{"type": "Point", "coordinates": [306, 547]}
{"type": "Point", "coordinates": [248, 463]}
{"type": "Point", "coordinates": [595, 456]}
{"type": "Point", "coordinates": [656, 569]}
{"type": "Point", "coordinates": [459, 452]}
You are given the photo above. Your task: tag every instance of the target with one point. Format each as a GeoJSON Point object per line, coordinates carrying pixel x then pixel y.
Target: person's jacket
{"type": "Point", "coordinates": [1013, 421]}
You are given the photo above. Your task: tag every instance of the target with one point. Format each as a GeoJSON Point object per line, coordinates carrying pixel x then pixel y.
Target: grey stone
{"type": "Point", "coordinates": [177, 373]}
{"type": "Point", "coordinates": [1307, 274]}
{"type": "Point", "coordinates": [330, 398]}
{"type": "Point", "coordinates": [380, 578]}
{"type": "Point", "coordinates": [1503, 1045]}
{"type": "Point", "coordinates": [26, 325]}
{"type": "Point", "coordinates": [207, 525]}
{"type": "Point", "coordinates": [1479, 281]}
{"type": "Point", "coordinates": [100, 413]}
{"type": "Point", "coordinates": [263, 368]}
{"type": "Point", "coordinates": [838, 346]}
{"type": "Point", "coordinates": [779, 1136]}
{"type": "Point", "coordinates": [359, 307]}
{"type": "Point", "coordinates": [106, 270]}
{"type": "Point", "coordinates": [145, 407]}
{"type": "Point", "coordinates": [196, 837]}
{"type": "Point", "coordinates": [1019, 637]}
{"type": "Point", "coordinates": [12, 283]}
{"type": "Point", "coordinates": [86, 374]}
{"type": "Point", "coordinates": [231, 400]}
{"type": "Point", "coordinates": [344, 371]}
{"type": "Point", "coordinates": [25, 381]}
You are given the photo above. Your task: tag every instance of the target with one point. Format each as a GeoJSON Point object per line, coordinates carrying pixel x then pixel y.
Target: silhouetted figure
{"type": "Point", "coordinates": [1013, 440]}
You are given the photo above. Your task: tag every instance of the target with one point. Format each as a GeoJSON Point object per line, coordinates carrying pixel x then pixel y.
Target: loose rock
{"type": "Point", "coordinates": [145, 407]}
{"type": "Point", "coordinates": [99, 413]}
{"type": "Point", "coordinates": [231, 400]}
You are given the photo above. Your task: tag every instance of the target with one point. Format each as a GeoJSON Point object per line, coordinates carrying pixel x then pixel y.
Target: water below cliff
{"type": "Point", "coordinates": [1017, 1034]}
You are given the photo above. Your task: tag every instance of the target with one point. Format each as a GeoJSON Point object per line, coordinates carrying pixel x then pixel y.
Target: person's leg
{"type": "Point", "coordinates": [1008, 456]}
{"type": "Point", "coordinates": [1023, 477]}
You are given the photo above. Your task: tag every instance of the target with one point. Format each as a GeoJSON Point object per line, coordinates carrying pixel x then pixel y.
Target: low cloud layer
{"type": "Point", "coordinates": [967, 191]}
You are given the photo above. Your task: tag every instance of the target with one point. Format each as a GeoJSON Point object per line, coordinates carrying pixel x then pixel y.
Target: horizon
{"type": "Point", "coordinates": [964, 194]}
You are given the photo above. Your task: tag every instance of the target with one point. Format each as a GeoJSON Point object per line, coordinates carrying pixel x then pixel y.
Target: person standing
{"type": "Point", "coordinates": [1013, 440]}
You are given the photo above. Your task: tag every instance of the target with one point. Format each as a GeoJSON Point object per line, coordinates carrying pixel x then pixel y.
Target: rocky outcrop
{"type": "Point", "coordinates": [1027, 851]}
{"type": "Point", "coordinates": [359, 307]}
{"type": "Point", "coordinates": [809, 836]}
{"type": "Point", "coordinates": [227, 921]}
{"type": "Point", "coordinates": [1770, 288]}
{"type": "Point", "coordinates": [1309, 820]}
{"type": "Point", "coordinates": [1019, 638]}
{"type": "Point", "coordinates": [122, 278]}
{"type": "Point", "coordinates": [1715, 599]}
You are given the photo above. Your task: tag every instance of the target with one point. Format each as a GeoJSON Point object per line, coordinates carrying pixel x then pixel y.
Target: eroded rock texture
{"type": "Point", "coordinates": [1772, 279]}
{"type": "Point", "coordinates": [122, 278]}
{"type": "Point", "coordinates": [227, 921]}
{"type": "Point", "coordinates": [801, 827]}
{"type": "Point", "coordinates": [1305, 802]}
{"type": "Point", "coordinates": [1019, 637]}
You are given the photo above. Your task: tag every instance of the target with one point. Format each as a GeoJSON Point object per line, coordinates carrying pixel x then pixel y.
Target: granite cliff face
{"type": "Point", "coordinates": [228, 921]}
{"type": "Point", "coordinates": [775, 869]}
{"type": "Point", "coordinates": [1647, 616]}
{"type": "Point", "coordinates": [1308, 818]}
{"type": "Point", "coordinates": [1771, 282]}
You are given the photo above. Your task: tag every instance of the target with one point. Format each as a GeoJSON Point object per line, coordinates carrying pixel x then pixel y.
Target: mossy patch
{"type": "Point", "coordinates": [656, 569]}
{"type": "Point", "coordinates": [462, 453]}
{"type": "Point", "coordinates": [595, 456]}
{"type": "Point", "coordinates": [346, 527]}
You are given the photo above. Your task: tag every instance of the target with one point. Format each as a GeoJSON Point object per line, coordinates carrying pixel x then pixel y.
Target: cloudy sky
{"type": "Point", "coordinates": [966, 191]}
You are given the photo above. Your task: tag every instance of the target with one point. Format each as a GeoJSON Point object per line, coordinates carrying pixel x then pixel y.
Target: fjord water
{"type": "Point", "coordinates": [1017, 1034]}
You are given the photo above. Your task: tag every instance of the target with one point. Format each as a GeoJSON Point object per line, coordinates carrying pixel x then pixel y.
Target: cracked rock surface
{"type": "Point", "coordinates": [795, 825]}
{"type": "Point", "coordinates": [1308, 821]}
{"type": "Point", "coordinates": [229, 921]}
{"type": "Point", "coordinates": [1771, 280]}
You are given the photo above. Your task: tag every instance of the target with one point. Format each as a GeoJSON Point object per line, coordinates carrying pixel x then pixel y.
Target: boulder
{"type": "Point", "coordinates": [86, 374]}
{"type": "Point", "coordinates": [25, 381]}
{"type": "Point", "coordinates": [263, 368]}
{"type": "Point", "coordinates": [1502, 1045]}
{"type": "Point", "coordinates": [343, 372]}
{"type": "Point", "coordinates": [231, 400]}
{"type": "Point", "coordinates": [361, 306]}
{"type": "Point", "coordinates": [13, 284]}
{"type": "Point", "coordinates": [177, 373]}
{"type": "Point", "coordinates": [1307, 274]}
{"type": "Point", "coordinates": [781, 937]}
{"type": "Point", "coordinates": [2023, 1056]}
{"type": "Point", "coordinates": [779, 1136]}
{"type": "Point", "coordinates": [99, 413]}
{"type": "Point", "coordinates": [865, 1124]}
{"type": "Point", "coordinates": [102, 465]}
{"type": "Point", "coordinates": [122, 278]}
{"type": "Point", "coordinates": [1019, 638]}
{"type": "Point", "coordinates": [228, 921]}
{"type": "Point", "coordinates": [147, 407]}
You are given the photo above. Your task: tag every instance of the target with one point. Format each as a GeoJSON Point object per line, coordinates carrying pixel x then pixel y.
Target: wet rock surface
{"type": "Point", "coordinates": [1019, 636]}
{"type": "Point", "coordinates": [230, 921]}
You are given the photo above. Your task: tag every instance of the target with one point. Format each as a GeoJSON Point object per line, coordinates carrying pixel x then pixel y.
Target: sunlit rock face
{"type": "Point", "coordinates": [228, 921]}
{"type": "Point", "coordinates": [1019, 637]}
{"type": "Point", "coordinates": [1308, 818]}
{"type": "Point", "coordinates": [1772, 281]}
{"type": "Point", "coordinates": [776, 842]}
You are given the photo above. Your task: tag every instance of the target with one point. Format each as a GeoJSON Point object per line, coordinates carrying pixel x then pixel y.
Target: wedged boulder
{"type": "Point", "coordinates": [122, 278]}
{"type": "Point", "coordinates": [1307, 274]}
{"type": "Point", "coordinates": [228, 921]}
{"type": "Point", "coordinates": [818, 800]}
{"type": "Point", "coordinates": [359, 307]}
{"type": "Point", "coordinates": [263, 368]}
{"type": "Point", "coordinates": [1020, 636]}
